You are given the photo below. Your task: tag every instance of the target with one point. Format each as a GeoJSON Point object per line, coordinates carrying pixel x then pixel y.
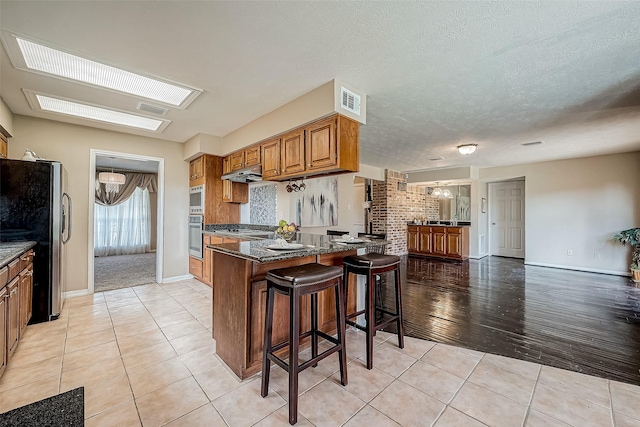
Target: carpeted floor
{"type": "Point", "coordinates": [121, 271]}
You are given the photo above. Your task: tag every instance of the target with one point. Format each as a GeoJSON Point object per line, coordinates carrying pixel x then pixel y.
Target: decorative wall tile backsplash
{"type": "Point", "coordinates": [262, 204]}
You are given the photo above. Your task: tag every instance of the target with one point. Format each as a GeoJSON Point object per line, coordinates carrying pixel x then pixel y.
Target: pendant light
{"type": "Point", "coordinates": [437, 192]}
{"type": "Point", "coordinates": [111, 180]}
{"type": "Point", "coordinates": [446, 194]}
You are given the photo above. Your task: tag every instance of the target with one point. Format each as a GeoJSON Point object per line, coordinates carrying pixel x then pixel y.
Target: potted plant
{"type": "Point", "coordinates": [631, 237]}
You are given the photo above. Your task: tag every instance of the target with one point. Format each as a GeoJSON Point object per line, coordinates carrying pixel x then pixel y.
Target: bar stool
{"type": "Point", "coordinates": [295, 282]}
{"type": "Point", "coordinates": [370, 265]}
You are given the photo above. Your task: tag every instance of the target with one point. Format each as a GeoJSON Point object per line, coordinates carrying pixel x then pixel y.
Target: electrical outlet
{"type": "Point", "coordinates": [569, 252]}
{"type": "Point", "coordinates": [596, 255]}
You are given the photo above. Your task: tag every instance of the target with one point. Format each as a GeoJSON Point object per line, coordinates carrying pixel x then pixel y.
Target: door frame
{"type": "Point", "coordinates": [93, 154]}
{"type": "Point", "coordinates": [489, 213]}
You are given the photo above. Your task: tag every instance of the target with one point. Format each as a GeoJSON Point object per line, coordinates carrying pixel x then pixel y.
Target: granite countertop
{"type": "Point", "coordinates": [459, 224]}
{"type": "Point", "coordinates": [315, 244]}
{"type": "Point", "coordinates": [10, 250]}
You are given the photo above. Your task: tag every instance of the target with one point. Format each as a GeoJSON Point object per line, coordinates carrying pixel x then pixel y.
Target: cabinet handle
{"type": "Point", "coordinates": [24, 258]}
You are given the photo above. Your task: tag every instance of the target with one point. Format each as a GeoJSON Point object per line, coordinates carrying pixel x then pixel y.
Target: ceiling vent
{"type": "Point", "coordinates": [154, 109]}
{"type": "Point", "coordinates": [349, 101]}
{"type": "Point", "coordinates": [527, 144]}
{"type": "Point", "coordinates": [435, 159]}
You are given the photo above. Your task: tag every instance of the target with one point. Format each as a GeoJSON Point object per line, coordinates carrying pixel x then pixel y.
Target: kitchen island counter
{"type": "Point", "coordinates": [239, 294]}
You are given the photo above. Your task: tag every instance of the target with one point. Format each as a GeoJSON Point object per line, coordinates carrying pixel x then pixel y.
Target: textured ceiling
{"type": "Point", "coordinates": [437, 74]}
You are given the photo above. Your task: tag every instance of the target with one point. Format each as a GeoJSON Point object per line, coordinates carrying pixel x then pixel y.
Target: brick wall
{"type": "Point", "coordinates": [392, 207]}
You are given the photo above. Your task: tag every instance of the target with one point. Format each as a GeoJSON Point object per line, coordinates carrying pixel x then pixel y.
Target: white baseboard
{"type": "Point", "coordinates": [176, 278]}
{"type": "Point", "coordinates": [587, 270]}
{"type": "Point", "coordinates": [73, 294]}
{"type": "Point", "coordinates": [478, 256]}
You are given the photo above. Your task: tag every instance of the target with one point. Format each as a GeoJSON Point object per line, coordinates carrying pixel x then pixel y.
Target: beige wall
{"type": "Point", "coordinates": [6, 117]}
{"type": "Point", "coordinates": [71, 145]}
{"type": "Point", "coordinates": [577, 205]}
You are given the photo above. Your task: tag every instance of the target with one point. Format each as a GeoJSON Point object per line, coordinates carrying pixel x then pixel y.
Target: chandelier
{"type": "Point", "coordinates": [111, 180]}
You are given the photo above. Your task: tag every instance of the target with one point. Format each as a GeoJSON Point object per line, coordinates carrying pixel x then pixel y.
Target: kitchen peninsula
{"type": "Point", "coordinates": [239, 292]}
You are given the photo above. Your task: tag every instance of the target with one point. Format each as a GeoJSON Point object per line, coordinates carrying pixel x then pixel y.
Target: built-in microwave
{"type": "Point", "coordinates": [196, 200]}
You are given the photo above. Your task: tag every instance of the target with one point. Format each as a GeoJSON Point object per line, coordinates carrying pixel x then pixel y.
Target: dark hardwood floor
{"type": "Point", "coordinates": [584, 322]}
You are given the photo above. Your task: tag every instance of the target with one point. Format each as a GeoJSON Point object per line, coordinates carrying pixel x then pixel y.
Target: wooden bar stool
{"type": "Point", "coordinates": [370, 265]}
{"type": "Point", "coordinates": [295, 282]}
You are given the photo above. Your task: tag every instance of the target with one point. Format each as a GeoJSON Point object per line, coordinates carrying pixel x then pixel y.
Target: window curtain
{"type": "Point", "coordinates": [123, 229]}
{"type": "Point", "coordinates": [132, 181]}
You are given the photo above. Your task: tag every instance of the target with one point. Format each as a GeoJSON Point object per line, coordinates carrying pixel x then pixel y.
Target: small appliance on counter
{"type": "Point", "coordinates": [35, 207]}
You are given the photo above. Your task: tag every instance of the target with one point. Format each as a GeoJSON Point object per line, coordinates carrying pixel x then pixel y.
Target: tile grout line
{"type": "Point", "coordinates": [535, 385]}
{"type": "Point", "coordinates": [613, 418]}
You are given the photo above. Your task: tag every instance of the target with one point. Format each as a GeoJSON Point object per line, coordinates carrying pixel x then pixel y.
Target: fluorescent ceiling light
{"type": "Point", "coordinates": [58, 63]}
{"type": "Point", "coordinates": [96, 113]}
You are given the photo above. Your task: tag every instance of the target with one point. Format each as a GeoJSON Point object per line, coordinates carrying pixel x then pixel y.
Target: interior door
{"type": "Point", "coordinates": [506, 213]}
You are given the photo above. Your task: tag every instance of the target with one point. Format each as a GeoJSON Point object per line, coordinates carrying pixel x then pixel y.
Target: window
{"type": "Point", "coordinates": [125, 228]}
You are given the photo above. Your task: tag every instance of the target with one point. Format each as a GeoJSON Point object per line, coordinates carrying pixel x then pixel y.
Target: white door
{"type": "Point", "coordinates": [506, 210]}
{"type": "Point", "coordinates": [358, 210]}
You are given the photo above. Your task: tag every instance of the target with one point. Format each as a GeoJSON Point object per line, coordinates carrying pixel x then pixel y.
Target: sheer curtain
{"type": "Point", "coordinates": [124, 228]}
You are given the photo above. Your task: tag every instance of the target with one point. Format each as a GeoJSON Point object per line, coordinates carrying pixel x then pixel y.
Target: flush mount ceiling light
{"type": "Point", "coordinates": [42, 59]}
{"type": "Point", "coordinates": [86, 111]}
{"type": "Point", "coordinates": [467, 148]}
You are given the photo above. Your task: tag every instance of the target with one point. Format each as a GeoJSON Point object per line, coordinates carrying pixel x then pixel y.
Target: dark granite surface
{"type": "Point", "coordinates": [223, 227]}
{"type": "Point", "coordinates": [64, 410]}
{"type": "Point", "coordinates": [315, 244]}
{"type": "Point", "coordinates": [10, 250]}
{"type": "Point", "coordinates": [444, 224]}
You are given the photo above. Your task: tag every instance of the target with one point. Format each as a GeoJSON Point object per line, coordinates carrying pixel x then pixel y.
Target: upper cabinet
{"type": "Point", "coordinates": [196, 171]}
{"type": "Point", "coordinates": [233, 192]}
{"type": "Point", "coordinates": [247, 157]}
{"type": "Point", "coordinates": [327, 146]}
{"type": "Point", "coordinates": [4, 149]}
{"type": "Point", "coordinates": [271, 158]}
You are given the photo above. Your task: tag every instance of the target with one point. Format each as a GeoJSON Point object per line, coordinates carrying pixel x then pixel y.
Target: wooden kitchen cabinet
{"type": "Point", "coordinates": [424, 240]}
{"type": "Point", "coordinates": [3, 329]}
{"type": "Point", "coordinates": [16, 304]}
{"type": "Point", "coordinates": [13, 316]}
{"type": "Point", "coordinates": [292, 153]}
{"type": "Point", "coordinates": [215, 211]}
{"type": "Point", "coordinates": [439, 240]}
{"type": "Point", "coordinates": [443, 242]}
{"type": "Point", "coordinates": [4, 147]}
{"type": "Point", "coordinates": [412, 239]}
{"type": "Point", "coordinates": [26, 296]}
{"type": "Point", "coordinates": [271, 158]}
{"type": "Point", "coordinates": [327, 146]}
{"type": "Point", "coordinates": [195, 268]}
{"type": "Point", "coordinates": [244, 158]}
{"type": "Point", "coordinates": [233, 192]}
{"type": "Point", "coordinates": [196, 171]}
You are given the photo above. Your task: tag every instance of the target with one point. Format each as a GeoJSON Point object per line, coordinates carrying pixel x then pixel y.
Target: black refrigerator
{"type": "Point", "coordinates": [35, 207]}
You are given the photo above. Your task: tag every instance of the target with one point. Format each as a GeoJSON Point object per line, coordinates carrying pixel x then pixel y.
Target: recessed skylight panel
{"type": "Point", "coordinates": [58, 63]}
{"type": "Point", "coordinates": [85, 111]}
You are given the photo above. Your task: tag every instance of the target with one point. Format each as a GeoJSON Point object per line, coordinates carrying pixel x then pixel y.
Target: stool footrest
{"type": "Point", "coordinates": [355, 314]}
{"type": "Point", "coordinates": [285, 365]}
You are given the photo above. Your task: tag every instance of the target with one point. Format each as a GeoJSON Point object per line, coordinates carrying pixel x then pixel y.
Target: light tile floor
{"type": "Point", "coordinates": [146, 357]}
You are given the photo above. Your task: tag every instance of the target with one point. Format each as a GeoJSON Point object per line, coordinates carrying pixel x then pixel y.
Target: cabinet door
{"type": "Point", "coordinates": [425, 240]}
{"type": "Point", "coordinates": [454, 244]}
{"type": "Point", "coordinates": [237, 160]}
{"type": "Point", "coordinates": [25, 291]}
{"type": "Point", "coordinates": [207, 267]}
{"type": "Point", "coordinates": [271, 158]}
{"type": "Point", "coordinates": [252, 156]}
{"type": "Point", "coordinates": [227, 186]}
{"type": "Point", "coordinates": [13, 317]}
{"type": "Point", "coordinates": [412, 240]}
{"type": "Point", "coordinates": [321, 148]}
{"type": "Point", "coordinates": [439, 241]}
{"type": "Point", "coordinates": [292, 155]}
{"type": "Point", "coordinates": [3, 329]}
{"type": "Point", "coordinates": [4, 149]}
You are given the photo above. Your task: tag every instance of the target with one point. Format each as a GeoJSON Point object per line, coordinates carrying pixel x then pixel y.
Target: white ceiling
{"type": "Point", "coordinates": [126, 165]}
{"type": "Point", "coordinates": [437, 74]}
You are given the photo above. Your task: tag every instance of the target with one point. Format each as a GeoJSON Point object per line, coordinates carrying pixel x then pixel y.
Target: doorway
{"type": "Point", "coordinates": [125, 223]}
{"type": "Point", "coordinates": [506, 219]}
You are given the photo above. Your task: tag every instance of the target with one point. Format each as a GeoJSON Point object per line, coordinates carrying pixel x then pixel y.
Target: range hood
{"type": "Point", "coordinates": [248, 174]}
